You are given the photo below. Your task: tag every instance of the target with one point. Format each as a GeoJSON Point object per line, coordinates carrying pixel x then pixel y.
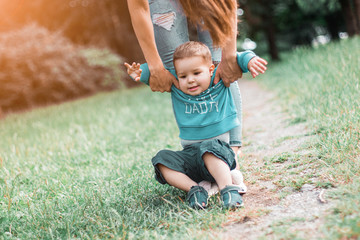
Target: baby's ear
{"type": "Point", "coordinates": [211, 69]}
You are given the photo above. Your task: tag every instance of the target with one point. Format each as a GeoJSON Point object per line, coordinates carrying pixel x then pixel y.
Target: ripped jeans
{"type": "Point", "coordinates": [171, 30]}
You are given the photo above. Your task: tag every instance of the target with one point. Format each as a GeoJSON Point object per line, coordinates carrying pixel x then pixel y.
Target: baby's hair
{"type": "Point", "coordinates": [191, 49]}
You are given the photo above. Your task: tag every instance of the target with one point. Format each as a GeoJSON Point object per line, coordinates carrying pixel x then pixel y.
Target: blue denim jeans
{"type": "Point", "coordinates": [171, 30]}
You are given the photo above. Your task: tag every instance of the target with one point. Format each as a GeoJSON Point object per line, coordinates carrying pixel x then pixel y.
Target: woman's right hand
{"type": "Point", "coordinates": [161, 80]}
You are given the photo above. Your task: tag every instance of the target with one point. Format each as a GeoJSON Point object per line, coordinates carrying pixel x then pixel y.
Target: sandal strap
{"type": "Point", "coordinates": [196, 196]}
{"type": "Point", "coordinates": [229, 188]}
{"type": "Point", "coordinates": [195, 189]}
{"type": "Point", "coordinates": [231, 197]}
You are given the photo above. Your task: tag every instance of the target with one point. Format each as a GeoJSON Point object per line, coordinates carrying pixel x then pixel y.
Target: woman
{"type": "Point", "coordinates": [161, 26]}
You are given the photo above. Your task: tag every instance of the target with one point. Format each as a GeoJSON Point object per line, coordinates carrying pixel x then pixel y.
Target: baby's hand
{"type": "Point", "coordinates": [134, 70]}
{"type": "Point", "coordinates": [256, 65]}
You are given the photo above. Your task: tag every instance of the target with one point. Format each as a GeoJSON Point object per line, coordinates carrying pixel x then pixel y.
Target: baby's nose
{"type": "Point", "coordinates": [191, 79]}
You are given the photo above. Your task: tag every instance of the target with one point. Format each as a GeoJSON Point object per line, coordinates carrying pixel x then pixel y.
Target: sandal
{"type": "Point", "coordinates": [231, 197]}
{"type": "Point", "coordinates": [197, 197]}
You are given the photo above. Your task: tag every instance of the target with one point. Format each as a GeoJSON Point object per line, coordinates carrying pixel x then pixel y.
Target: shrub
{"type": "Point", "coordinates": [38, 67]}
{"type": "Point", "coordinates": [104, 23]}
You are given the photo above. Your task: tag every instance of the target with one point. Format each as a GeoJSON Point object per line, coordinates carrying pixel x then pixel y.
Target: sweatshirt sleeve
{"type": "Point", "coordinates": [243, 59]}
{"type": "Point", "coordinates": [145, 74]}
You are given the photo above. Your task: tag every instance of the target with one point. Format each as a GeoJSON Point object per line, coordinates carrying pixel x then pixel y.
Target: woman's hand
{"type": "Point", "coordinates": [161, 80]}
{"type": "Point", "coordinates": [228, 70]}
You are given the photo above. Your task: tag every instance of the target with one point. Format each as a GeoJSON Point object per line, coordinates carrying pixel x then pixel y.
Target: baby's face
{"type": "Point", "coordinates": [194, 74]}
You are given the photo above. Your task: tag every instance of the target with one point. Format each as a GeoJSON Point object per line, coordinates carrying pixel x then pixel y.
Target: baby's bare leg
{"type": "Point", "coordinates": [176, 179]}
{"type": "Point", "coordinates": [236, 151]}
{"type": "Point", "coordinates": [218, 169]}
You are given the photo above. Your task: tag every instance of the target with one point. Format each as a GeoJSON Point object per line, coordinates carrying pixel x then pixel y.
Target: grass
{"type": "Point", "coordinates": [322, 87]}
{"type": "Point", "coordinates": [81, 170]}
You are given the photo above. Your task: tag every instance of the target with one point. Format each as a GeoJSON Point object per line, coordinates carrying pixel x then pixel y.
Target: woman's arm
{"type": "Point", "coordinates": [161, 79]}
{"type": "Point", "coordinates": [228, 69]}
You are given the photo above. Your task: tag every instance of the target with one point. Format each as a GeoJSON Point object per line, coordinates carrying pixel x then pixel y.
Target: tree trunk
{"type": "Point", "coordinates": [269, 28]}
{"type": "Point", "coordinates": [333, 22]}
{"type": "Point", "coordinates": [349, 16]}
{"type": "Point", "coordinates": [357, 14]}
{"type": "Point", "coordinates": [271, 38]}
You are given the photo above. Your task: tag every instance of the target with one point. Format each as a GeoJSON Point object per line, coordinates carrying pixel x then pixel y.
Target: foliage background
{"type": "Point", "coordinates": [40, 67]}
{"type": "Point", "coordinates": [43, 42]}
{"type": "Point", "coordinates": [55, 51]}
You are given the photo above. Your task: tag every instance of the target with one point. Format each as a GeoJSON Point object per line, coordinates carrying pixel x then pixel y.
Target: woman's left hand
{"type": "Point", "coordinates": [228, 70]}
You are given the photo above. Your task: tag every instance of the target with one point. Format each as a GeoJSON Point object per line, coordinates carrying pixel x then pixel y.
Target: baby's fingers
{"type": "Point", "coordinates": [253, 72]}
{"type": "Point", "coordinates": [135, 66]}
{"type": "Point", "coordinates": [127, 65]}
{"type": "Point", "coordinates": [260, 64]}
{"type": "Point", "coordinates": [263, 61]}
{"type": "Point", "coordinates": [257, 67]}
{"type": "Point", "coordinates": [260, 67]}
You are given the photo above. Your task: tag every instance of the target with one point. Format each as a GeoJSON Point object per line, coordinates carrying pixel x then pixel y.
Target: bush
{"type": "Point", "coordinates": [104, 23]}
{"type": "Point", "coordinates": [38, 67]}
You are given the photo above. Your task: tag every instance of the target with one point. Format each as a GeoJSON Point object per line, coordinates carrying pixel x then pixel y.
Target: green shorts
{"type": "Point", "coordinates": [189, 160]}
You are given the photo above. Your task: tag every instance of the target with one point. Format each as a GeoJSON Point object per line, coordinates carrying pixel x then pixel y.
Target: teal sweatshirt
{"type": "Point", "coordinates": [209, 114]}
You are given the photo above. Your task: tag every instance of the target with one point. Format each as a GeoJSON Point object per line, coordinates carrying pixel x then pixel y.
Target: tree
{"type": "Point", "coordinates": [289, 23]}
{"type": "Point", "coordinates": [260, 16]}
{"type": "Point", "coordinates": [357, 12]}
{"type": "Point", "coordinates": [104, 23]}
{"type": "Point", "coordinates": [326, 13]}
{"type": "Point", "coordinates": [351, 13]}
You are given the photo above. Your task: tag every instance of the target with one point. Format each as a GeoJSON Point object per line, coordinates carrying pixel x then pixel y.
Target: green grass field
{"type": "Point", "coordinates": [322, 87]}
{"type": "Point", "coordinates": [81, 170]}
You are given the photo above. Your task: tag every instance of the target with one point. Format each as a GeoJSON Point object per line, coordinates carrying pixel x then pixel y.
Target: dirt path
{"type": "Point", "coordinates": [278, 204]}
